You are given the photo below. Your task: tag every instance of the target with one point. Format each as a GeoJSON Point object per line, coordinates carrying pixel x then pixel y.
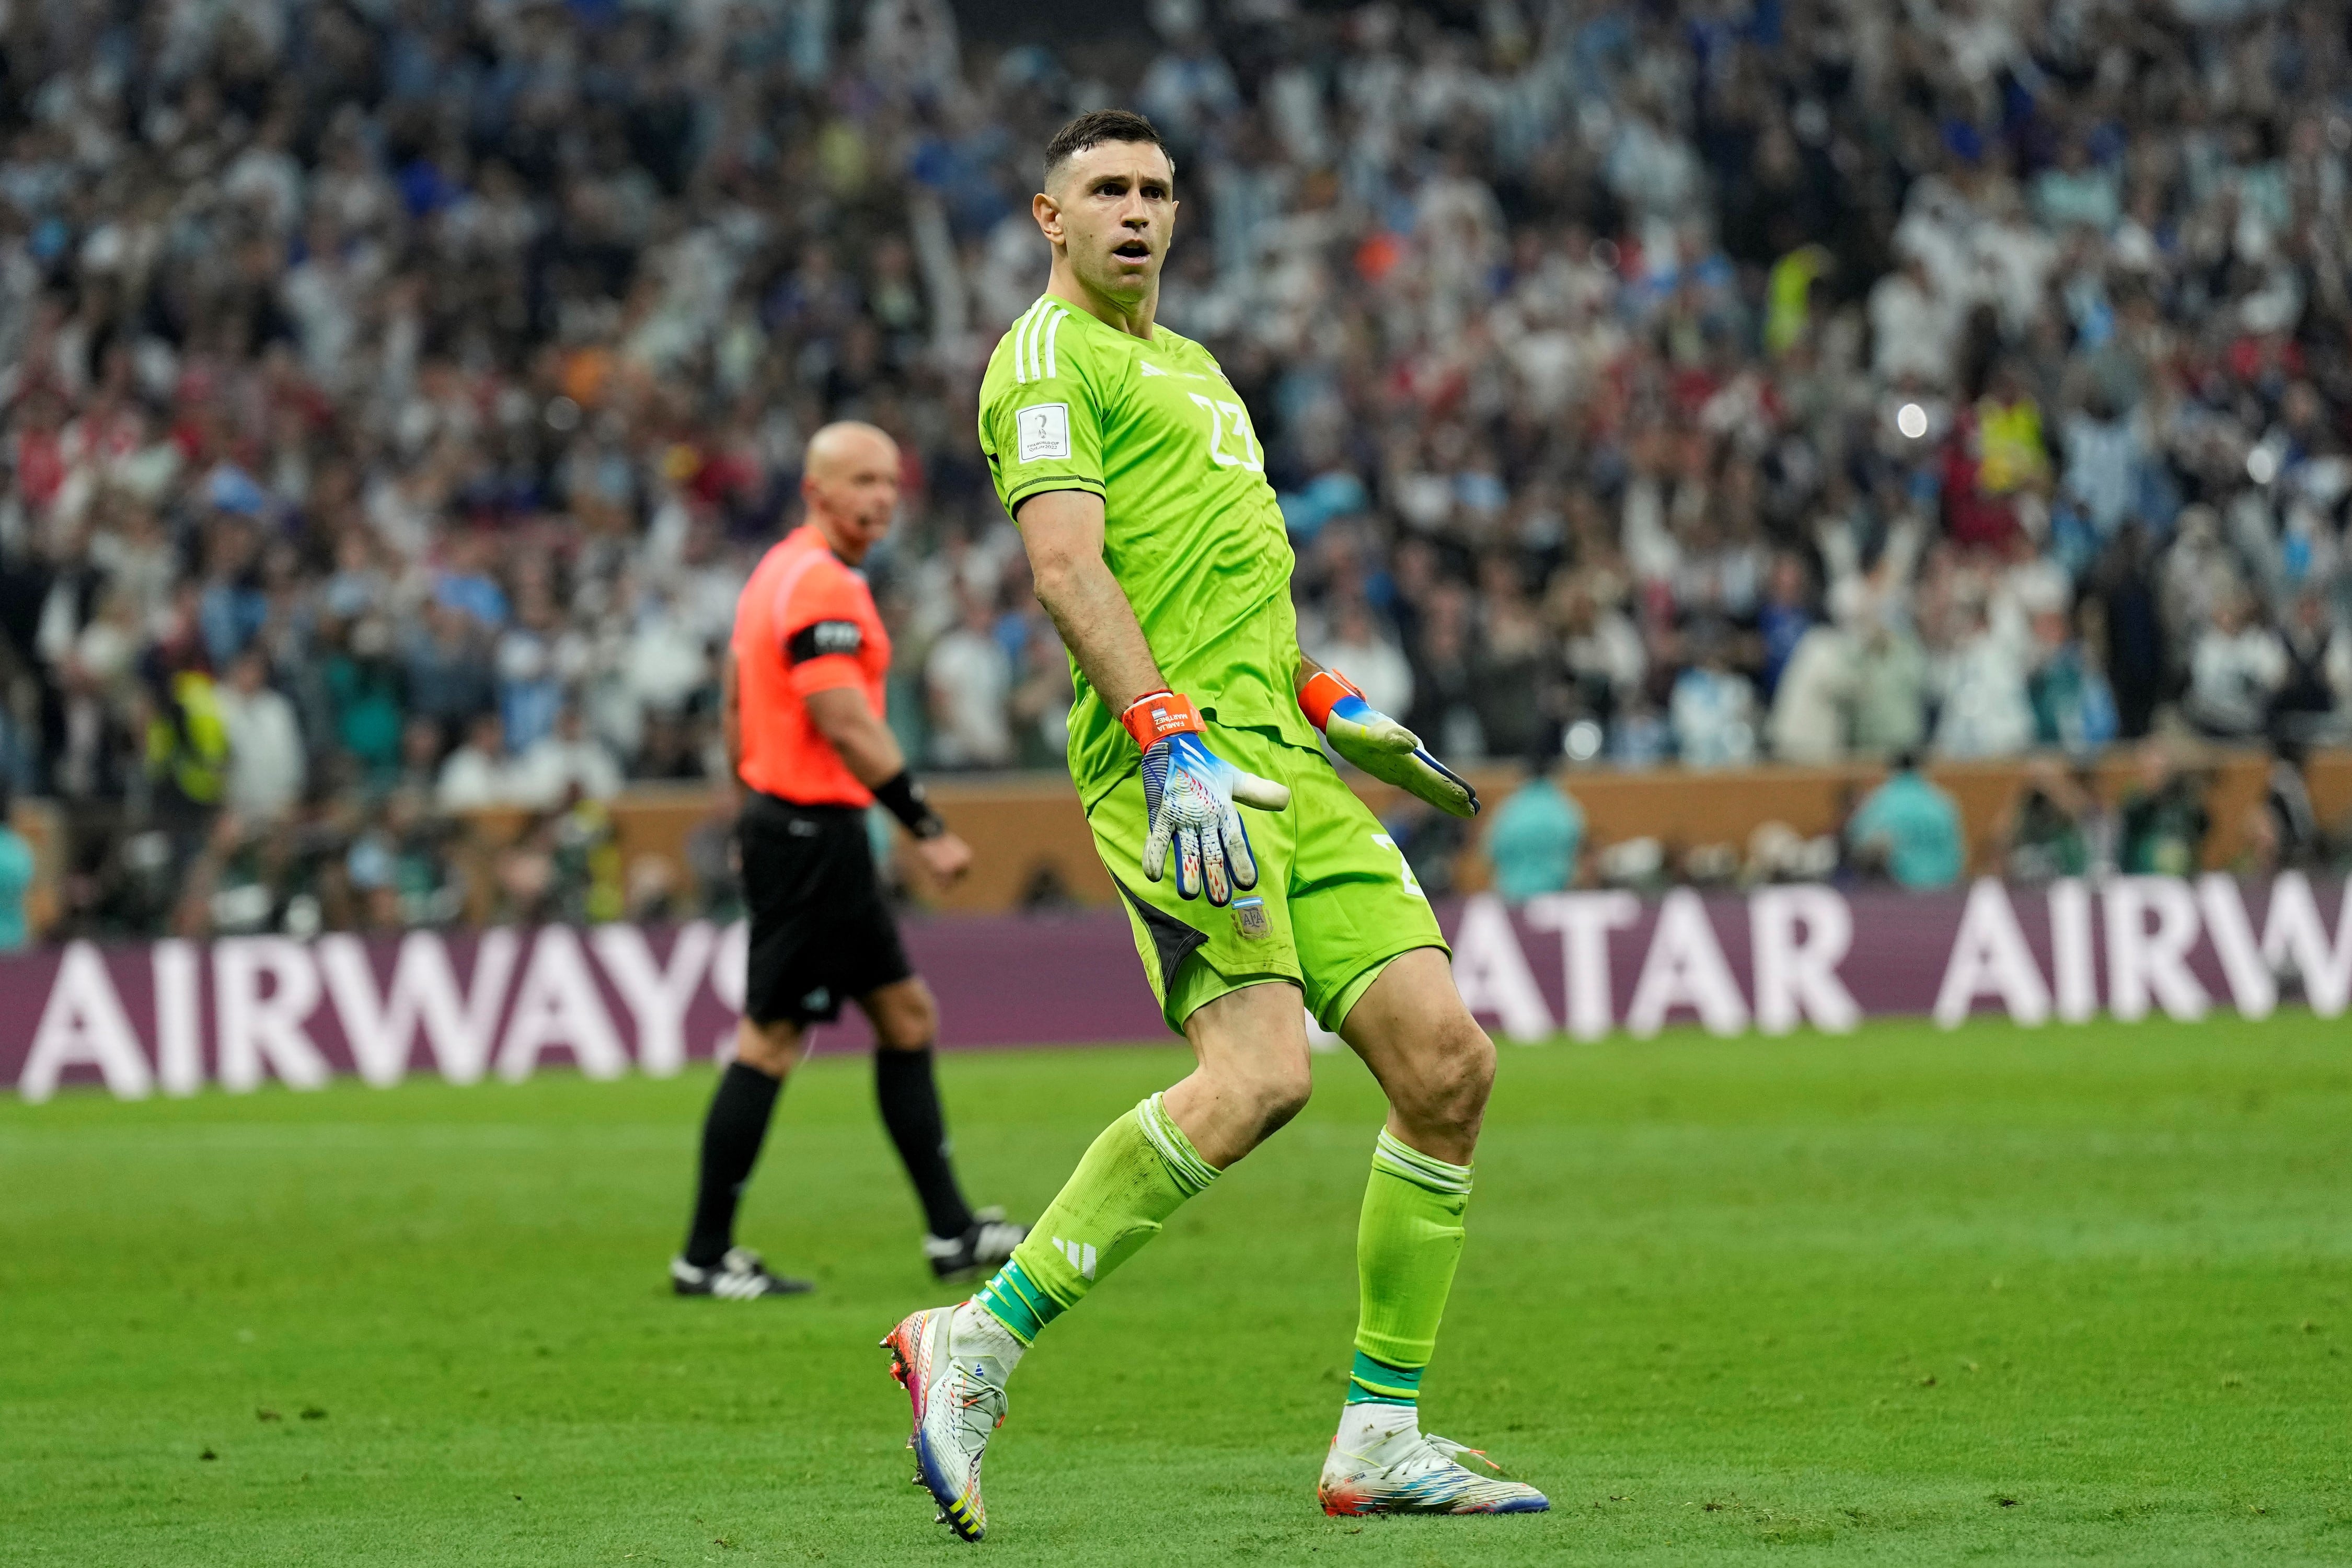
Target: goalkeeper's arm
{"type": "Point", "coordinates": [1363, 735]}
{"type": "Point", "coordinates": [1188, 791]}
{"type": "Point", "coordinates": [1063, 531]}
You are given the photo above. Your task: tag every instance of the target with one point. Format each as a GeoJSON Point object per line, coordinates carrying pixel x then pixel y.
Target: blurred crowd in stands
{"type": "Point", "coordinates": [2158, 815]}
{"type": "Point", "coordinates": [396, 391]}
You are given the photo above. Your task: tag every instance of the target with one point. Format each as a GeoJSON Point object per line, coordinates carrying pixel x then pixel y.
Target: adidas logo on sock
{"type": "Point", "coordinates": [1081, 1255]}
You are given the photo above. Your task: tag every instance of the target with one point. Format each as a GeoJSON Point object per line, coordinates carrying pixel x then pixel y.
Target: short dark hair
{"type": "Point", "coordinates": [1097, 126]}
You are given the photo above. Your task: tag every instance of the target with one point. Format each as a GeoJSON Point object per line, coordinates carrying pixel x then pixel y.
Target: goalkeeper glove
{"type": "Point", "coordinates": [1189, 792]}
{"type": "Point", "coordinates": [1383, 748]}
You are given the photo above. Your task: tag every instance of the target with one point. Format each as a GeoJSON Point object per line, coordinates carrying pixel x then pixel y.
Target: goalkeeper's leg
{"type": "Point", "coordinates": [1251, 1078]}
{"type": "Point", "coordinates": [1436, 1066]}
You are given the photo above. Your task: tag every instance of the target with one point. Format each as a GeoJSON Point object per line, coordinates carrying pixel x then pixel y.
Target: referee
{"type": "Point", "coordinates": [803, 703]}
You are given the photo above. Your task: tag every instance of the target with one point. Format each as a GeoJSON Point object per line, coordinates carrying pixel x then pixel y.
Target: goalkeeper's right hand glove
{"type": "Point", "coordinates": [1189, 793]}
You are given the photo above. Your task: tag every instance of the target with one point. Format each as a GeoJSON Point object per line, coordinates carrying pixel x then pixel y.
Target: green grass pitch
{"type": "Point", "coordinates": [1904, 1297]}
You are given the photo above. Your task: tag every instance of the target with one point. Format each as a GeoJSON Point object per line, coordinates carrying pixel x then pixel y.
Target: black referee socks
{"type": "Point", "coordinates": [732, 1135]}
{"type": "Point", "coordinates": [910, 1098]}
{"type": "Point", "coordinates": [737, 1125]}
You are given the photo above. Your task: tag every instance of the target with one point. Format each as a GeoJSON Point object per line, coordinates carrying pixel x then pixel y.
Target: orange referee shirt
{"type": "Point", "coordinates": [805, 623]}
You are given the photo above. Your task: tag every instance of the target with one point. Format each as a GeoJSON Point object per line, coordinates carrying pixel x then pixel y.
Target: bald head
{"type": "Point", "coordinates": [845, 442]}
{"type": "Point", "coordinates": [849, 482]}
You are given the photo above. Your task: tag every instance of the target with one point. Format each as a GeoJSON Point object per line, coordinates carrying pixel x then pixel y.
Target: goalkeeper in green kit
{"type": "Point", "coordinates": [1253, 876]}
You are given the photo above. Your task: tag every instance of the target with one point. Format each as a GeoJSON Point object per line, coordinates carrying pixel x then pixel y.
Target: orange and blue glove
{"type": "Point", "coordinates": [1363, 735]}
{"type": "Point", "coordinates": [1189, 793]}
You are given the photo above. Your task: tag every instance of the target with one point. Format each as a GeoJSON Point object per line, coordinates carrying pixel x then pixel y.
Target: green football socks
{"type": "Point", "coordinates": [1134, 1176]}
{"type": "Point", "coordinates": [1407, 1245]}
{"type": "Point", "coordinates": [1143, 1168]}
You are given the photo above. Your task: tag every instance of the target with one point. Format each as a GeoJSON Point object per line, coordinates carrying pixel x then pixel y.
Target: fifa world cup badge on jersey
{"type": "Point", "coordinates": [1249, 920]}
{"type": "Point", "coordinates": [1044, 430]}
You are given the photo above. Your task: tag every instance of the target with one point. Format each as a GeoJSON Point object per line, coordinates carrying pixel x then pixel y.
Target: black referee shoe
{"type": "Point", "coordinates": [739, 1275]}
{"type": "Point", "coordinates": [989, 1242]}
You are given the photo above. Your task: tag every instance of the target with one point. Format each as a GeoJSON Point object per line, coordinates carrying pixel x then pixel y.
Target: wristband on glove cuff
{"type": "Point", "coordinates": [1322, 693]}
{"type": "Point", "coordinates": [904, 797]}
{"type": "Point", "coordinates": [1156, 715]}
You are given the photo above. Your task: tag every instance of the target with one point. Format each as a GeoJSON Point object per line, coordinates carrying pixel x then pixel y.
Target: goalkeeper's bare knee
{"type": "Point", "coordinates": [1253, 1075]}
{"type": "Point", "coordinates": [1277, 1095]}
{"type": "Point", "coordinates": [1442, 1096]}
{"type": "Point", "coordinates": [1435, 1062]}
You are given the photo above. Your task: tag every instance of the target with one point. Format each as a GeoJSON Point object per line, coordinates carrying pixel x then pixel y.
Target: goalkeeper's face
{"type": "Point", "coordinates": [1111, 209]}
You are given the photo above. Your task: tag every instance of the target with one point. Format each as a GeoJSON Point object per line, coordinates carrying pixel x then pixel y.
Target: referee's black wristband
{"type": "Point", "coordinates": [904, 797]}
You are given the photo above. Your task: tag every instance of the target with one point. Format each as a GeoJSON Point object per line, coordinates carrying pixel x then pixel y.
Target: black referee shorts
{"type": "Point", "coordinates": [820, 932]}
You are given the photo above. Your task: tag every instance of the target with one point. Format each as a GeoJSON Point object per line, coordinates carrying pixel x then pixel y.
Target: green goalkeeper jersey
{"type": "Point", "coordinates": [1190, 529]}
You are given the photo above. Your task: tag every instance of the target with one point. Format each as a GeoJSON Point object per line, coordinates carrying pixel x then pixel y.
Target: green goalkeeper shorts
{"type": "Point", "coordinates": [1334, 901]}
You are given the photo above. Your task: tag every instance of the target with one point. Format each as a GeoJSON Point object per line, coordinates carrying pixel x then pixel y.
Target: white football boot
{"type": "Point", "coordinates": [980, 1249]}
{"type": "Point", "coordinates": [956, 1410]}
{"type": "Point", "coordinates": [1381, 1462]}
{"type": "Point", "coordinates": [738, 1277]}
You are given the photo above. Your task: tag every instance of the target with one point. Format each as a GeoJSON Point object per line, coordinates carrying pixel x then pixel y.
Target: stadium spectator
{"type": "Point", "coordinates": [1374, 663]}
{"type": "Point", "coordinates": [1040, 707]}
{"type": "Point", "coordinates": [1813, 709]}
{"type": "Point", "coordinates": [1892, 682]}
{"type": "Point", "coordinates": [2163, 824]}
{"type": "Point", "coordinates": [2072, 709]}
{"type": "Point", "coordinates": [1908, 830]}
{"type": "Point", "coordinates": [478, 774]}
{"type": "Point", "coordinates": [266, 766]}
{"type": "Point", "coordinates": [1986, 710]}
{"type": "Point", "coordinates": [2235, 668]}
{"type": "Point", "coordinates": [2056, 826]}
{"type": "Point", "coordinates": [2284, 832]}
{"type": "Point", "coordinates": [1538, 836]}
{"type": "Point", "coordinates": [1714, 706]}
{"type": "Point", "coordinates": [15, 879]}
{"type": "Point", "coordinates": [1783, 620]}
{"type": "Point", "coordinates": [969, 679]}
{"type": "Point", "coordinates": [564, 764]}
{"type": "Point", "coordinates": [2305, 710]}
